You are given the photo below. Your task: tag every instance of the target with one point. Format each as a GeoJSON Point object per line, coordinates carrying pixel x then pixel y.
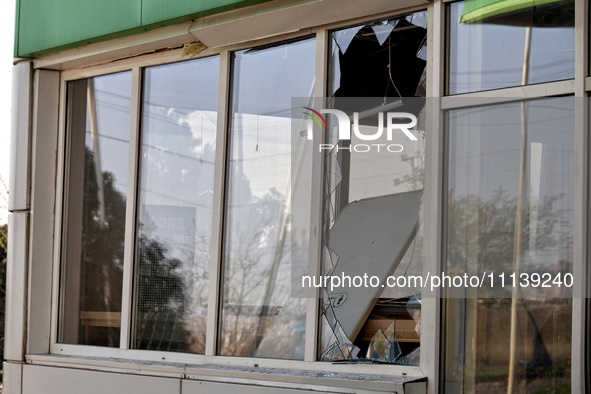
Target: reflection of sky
{"type": "Point", "coordinates": [266, 80]}
{"type": "Point", "coordinates": [191, 84]}
{"type": "Point", "coordinates": [263, 152]}
{"type": "Point", "coordinates": [178, 153]}
{"type": "Point", "coordinates": [490, 136]}
{"type": "Point", "coordinates": [112, 95]}
{"type": "Point", "coordinates": [489, 56]}
{"type": "Point", "coordinates": [179, 126]}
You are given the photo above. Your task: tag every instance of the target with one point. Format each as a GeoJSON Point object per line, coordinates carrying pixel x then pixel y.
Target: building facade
{"type": "Point", "coordinates": [294, 195]}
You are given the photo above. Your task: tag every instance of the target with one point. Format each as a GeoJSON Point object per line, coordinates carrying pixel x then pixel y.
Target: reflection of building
{"type": "Point", "coordinates": [163, 210]}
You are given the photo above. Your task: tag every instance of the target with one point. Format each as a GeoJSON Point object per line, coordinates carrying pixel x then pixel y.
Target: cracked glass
{"type": "Point", "coordinates": [373, 193]}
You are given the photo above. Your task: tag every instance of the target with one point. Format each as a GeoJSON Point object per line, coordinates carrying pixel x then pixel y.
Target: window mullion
{"type": "Point", "coordinates": [131, 207]}
{"type": "Point", "coordinates": [580, 252]}
{"type": "Point", "coordinates": [433, 208]}
{"type": "Point", "coordinates": [315, 252]}
{"type": "Point", "coordinates": [217, 246]}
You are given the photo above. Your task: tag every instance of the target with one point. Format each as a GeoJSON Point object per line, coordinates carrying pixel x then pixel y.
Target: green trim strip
{"type": "Point", "coordinates": [480, 10]}
{"type": "Point", "coordinates": [43, 27]}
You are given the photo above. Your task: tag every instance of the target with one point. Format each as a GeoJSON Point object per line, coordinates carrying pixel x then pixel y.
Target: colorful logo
{"type": "Point", "coordinates": [348, 125]}
{"type": "Point", "coordinates": [315, 115]}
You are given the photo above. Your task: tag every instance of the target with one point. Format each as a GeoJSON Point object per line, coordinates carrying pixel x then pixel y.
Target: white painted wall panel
{"type": "Point", "coordinates": [44, 158]}
{"type": "Point", "coordinates": [18, 198]}
{"type": "Point", "coordinates": [12, 378]}
{"type": "Point", "coordinates": [16, 286]}
{"type": "Point", "coordinates": [196, 387]}
{"type": "Point", "coordinates": [48, 380]}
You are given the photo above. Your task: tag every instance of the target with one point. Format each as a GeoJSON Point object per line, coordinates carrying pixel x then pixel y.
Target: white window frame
{"type": "Point", "coordinates": [77, 353]}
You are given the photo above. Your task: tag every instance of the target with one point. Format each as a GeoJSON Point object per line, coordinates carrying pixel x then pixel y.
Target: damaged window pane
{"type": "Point", "coordinates": [381, 59]}
{"type": "Point", "coordinates": [373, 193]}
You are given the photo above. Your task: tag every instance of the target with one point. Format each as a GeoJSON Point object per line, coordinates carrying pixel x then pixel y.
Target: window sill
{"type": "Point", "coordinates": [287, 378]}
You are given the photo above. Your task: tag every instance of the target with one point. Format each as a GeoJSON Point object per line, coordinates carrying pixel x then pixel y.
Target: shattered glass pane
{"type": "Point", "coordinates": [335, 169]}
{"type": "Point", "coordinates": [374, 68]}
{"type": "Point", "coordinates": [344, 37]}
{"type": "Point", "coordinates": [383, 29]}
{"type": "Point", "coordinates": [378, 347]}
{"type": "Point", "coordinates": [331, 260]}
{"type": "Point", "coordinates": [386, 58]}
{"type": "Point", "coordinates": [341, 347]}
{"type": "Point", "coordinates": [414, 310]}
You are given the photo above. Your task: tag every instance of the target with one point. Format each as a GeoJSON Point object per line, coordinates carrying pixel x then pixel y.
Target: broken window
{"type": "Point", "coordinates": [373, 192]}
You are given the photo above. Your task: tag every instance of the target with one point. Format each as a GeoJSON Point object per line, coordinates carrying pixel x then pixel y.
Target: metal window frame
{"type": "Point", "coordinates": [136, 66]}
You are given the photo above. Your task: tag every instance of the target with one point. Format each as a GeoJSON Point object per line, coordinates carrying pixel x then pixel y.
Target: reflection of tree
{"type": "Point", "coordinates": [481, 237]}
{"type": "Point", "coordinates": [3, 252]}
{"type": "Point", "coordinates": [488, 225]}
{"type": "Point", "coordinates": [177, 173]}
{"type": "Point", "coordinates": [102, 250]}
{"type": "Point", "coordinates": [252, 250]}
{"type": "Point", "coordinates": [161, 299]}
{"type": "Point", "coordinates": [160, 285]}
{"type": "Point", "coordinates": [102, 260]}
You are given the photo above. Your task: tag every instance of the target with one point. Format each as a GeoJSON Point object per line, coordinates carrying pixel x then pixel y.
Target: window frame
{"type": "Point", "coordinates": [136, 66]}
{"type": "Point", "coordinates": [579, 86]}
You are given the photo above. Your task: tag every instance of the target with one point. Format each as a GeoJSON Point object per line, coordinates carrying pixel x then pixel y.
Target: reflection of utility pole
{"type": "Point", "coordinates": [98, 168]}
{"type": "Point", "coordinates": [96, 148]}
{"type": "Point", "coordinates": [518, 218]}
{"type": "Point", "coordinates": [416, 176]}
{"type": "Point", "coordinates": [282, 223]}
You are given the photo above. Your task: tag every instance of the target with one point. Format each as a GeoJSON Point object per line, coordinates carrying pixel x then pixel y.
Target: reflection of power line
{"type": "Point", "coordinates": [106, 92]}
{"type": "Point", "coordinates": [190, 203]}
{"type": "Point", "coordinates": [162, 118]}
{"type": "Point", "coordinates": [566, 153]}
{"type": "Point", "coordinates": [504, 71]}
{"type": "Point", "coordinates": [509, 106]}
{"type": "Point", "coordinates": [146, 112]}
{"type": "Point", "coordinates": [127, 98]}
{"type": "Point", "coordinates": [168, 119]}
{"type": "Point", "coordinates": [164, 150]}
{"type": "Point", "coordinates": [4, 194]}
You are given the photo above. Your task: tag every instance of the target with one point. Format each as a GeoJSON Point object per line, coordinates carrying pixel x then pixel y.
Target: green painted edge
{"type": "Point", "coordinates": [213, 11]}
{"type": "Point", "coordinates": [478, 10]}
{"type": "Point", "coordinates": [129, 32]}
{"type": "Point", "coordinates": [93, 40]}
{"type": "Point", "coordinates": [17, 20]}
